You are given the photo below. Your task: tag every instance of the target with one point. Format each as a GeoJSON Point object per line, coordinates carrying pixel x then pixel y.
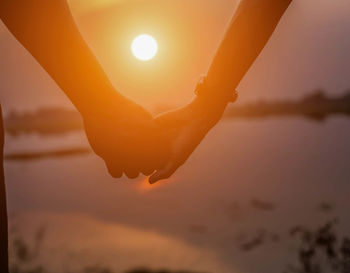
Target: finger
{"type": "Point", "coordinates": [155, 154]}
{"type": "Point", "coordinates": [147, 172]}
{"type": "Point", "coordinates": [115, 167]}
{"type": "Point", "coordinates": [154, 160]}
{"type": "Point", "coordinates": [164, 173]}
{"type": "Point", "coordinates": [143, 165]}
{"type": "Point", "coordinates": [115, 172]}
{"type": "Point", "coordinates": [131, 173]}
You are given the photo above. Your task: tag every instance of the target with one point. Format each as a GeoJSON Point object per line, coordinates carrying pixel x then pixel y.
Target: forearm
{"type": "Point", "coordinates": [249, 31]}
{"type": "Point", "coordinates": [47, 30]}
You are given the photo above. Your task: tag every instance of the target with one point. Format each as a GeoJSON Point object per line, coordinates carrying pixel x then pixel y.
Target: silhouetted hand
{"type": "Point", "coordinates": [185, 128]}
{"type": "Point", "coordinates": [126, 137]}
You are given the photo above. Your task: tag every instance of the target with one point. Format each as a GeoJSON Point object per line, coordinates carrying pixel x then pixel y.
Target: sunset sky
{"type": "Point", "coordinates": [309, 50]}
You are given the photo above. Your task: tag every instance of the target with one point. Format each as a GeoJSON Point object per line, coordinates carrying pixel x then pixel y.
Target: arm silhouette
{"type": "Point", "coordinates": [252, 25]}
{"type": "Point", "coordinates": [114, 124]}
{"type": "Point", "coordinates": [47, 30]}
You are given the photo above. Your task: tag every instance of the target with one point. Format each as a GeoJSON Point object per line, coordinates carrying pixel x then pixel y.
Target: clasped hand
{"type": "Point", "coordinates": [131, 141]}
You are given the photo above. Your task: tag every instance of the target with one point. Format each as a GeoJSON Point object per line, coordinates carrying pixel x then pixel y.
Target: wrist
{"type": "Point", "coordinates": [215, 92]}
{"type": "Point", "coordinates": [212, 100]}
{"type": "Point", "coordinates": [209, 112]}
{"type": "Point", "coordinates": [103, 102]}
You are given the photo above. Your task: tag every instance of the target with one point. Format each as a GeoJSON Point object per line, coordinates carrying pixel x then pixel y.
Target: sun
{"type": "Point", "coordinates": [144, 47]}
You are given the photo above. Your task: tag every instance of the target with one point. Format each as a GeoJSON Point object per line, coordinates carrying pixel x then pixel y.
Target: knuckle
{"type": "Point", "coordinates": [147, 172]}
{"type": "Point", "coordinates": [114, 171]}
{"type": "Point", "coordinates": [116, 174]}
{"type": "Point", "coordinates": [132, 174]}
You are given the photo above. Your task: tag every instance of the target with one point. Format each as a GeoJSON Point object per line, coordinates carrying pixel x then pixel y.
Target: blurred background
{"type": "Point", "coordinates": [266, 191]}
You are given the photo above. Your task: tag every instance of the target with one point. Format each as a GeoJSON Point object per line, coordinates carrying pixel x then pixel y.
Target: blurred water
{"type": "Point", "coordinates": [247, 179]}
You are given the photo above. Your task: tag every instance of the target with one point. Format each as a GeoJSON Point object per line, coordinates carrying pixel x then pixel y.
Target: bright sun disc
{"type": "Point", "coordinates": [144, 47]}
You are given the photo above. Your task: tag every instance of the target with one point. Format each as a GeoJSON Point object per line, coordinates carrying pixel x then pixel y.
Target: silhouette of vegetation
{"type": "Point", "coordinates": [316, 106]}
{"type": "Point", "coordinates": [325, 207]}
{"type": "Point", "coordinates": [44, 121]}
{"type": "Point", "coordinates": [25, 256]}
{"type": "Point", "coordinates": [258, 240]}
{"type": "Point", "coordinates": [321, 250]}
{"type": "Point", "coordinates": [262, 205]}
{"type": "Point", "coordinates": [47, 154]}
{"type": "Point", "coordinates": [96, 269]}
{"type": "Point", "coordinates": [262, 236]}
{"type": "Point", "coordinates": [145, 270]}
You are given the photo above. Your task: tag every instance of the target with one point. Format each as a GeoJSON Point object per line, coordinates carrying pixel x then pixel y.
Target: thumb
{"type": "Point", "coordinates": [182, 147]}
{"type": "Point", "coordinates": [164, 173]}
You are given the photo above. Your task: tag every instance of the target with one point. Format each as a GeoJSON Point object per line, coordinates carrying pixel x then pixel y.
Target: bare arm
{"type": "Point", "coordinates": [252, 25]}
{"type": "Point", "coordinates": [120, 131]}
{"type": "Point", "coordinates": [47, 30]}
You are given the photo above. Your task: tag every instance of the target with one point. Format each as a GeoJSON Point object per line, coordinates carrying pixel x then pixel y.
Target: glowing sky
{"type": "Point", "coordinates": [309, 50]}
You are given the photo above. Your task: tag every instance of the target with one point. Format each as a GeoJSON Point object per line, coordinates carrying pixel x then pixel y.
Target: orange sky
{"type": "Point", "coordinates": [309, 50]}
{"type": "Point", "coordinates": [303, 54]}
{"type": "Point", "coordinates": [185, 47]}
